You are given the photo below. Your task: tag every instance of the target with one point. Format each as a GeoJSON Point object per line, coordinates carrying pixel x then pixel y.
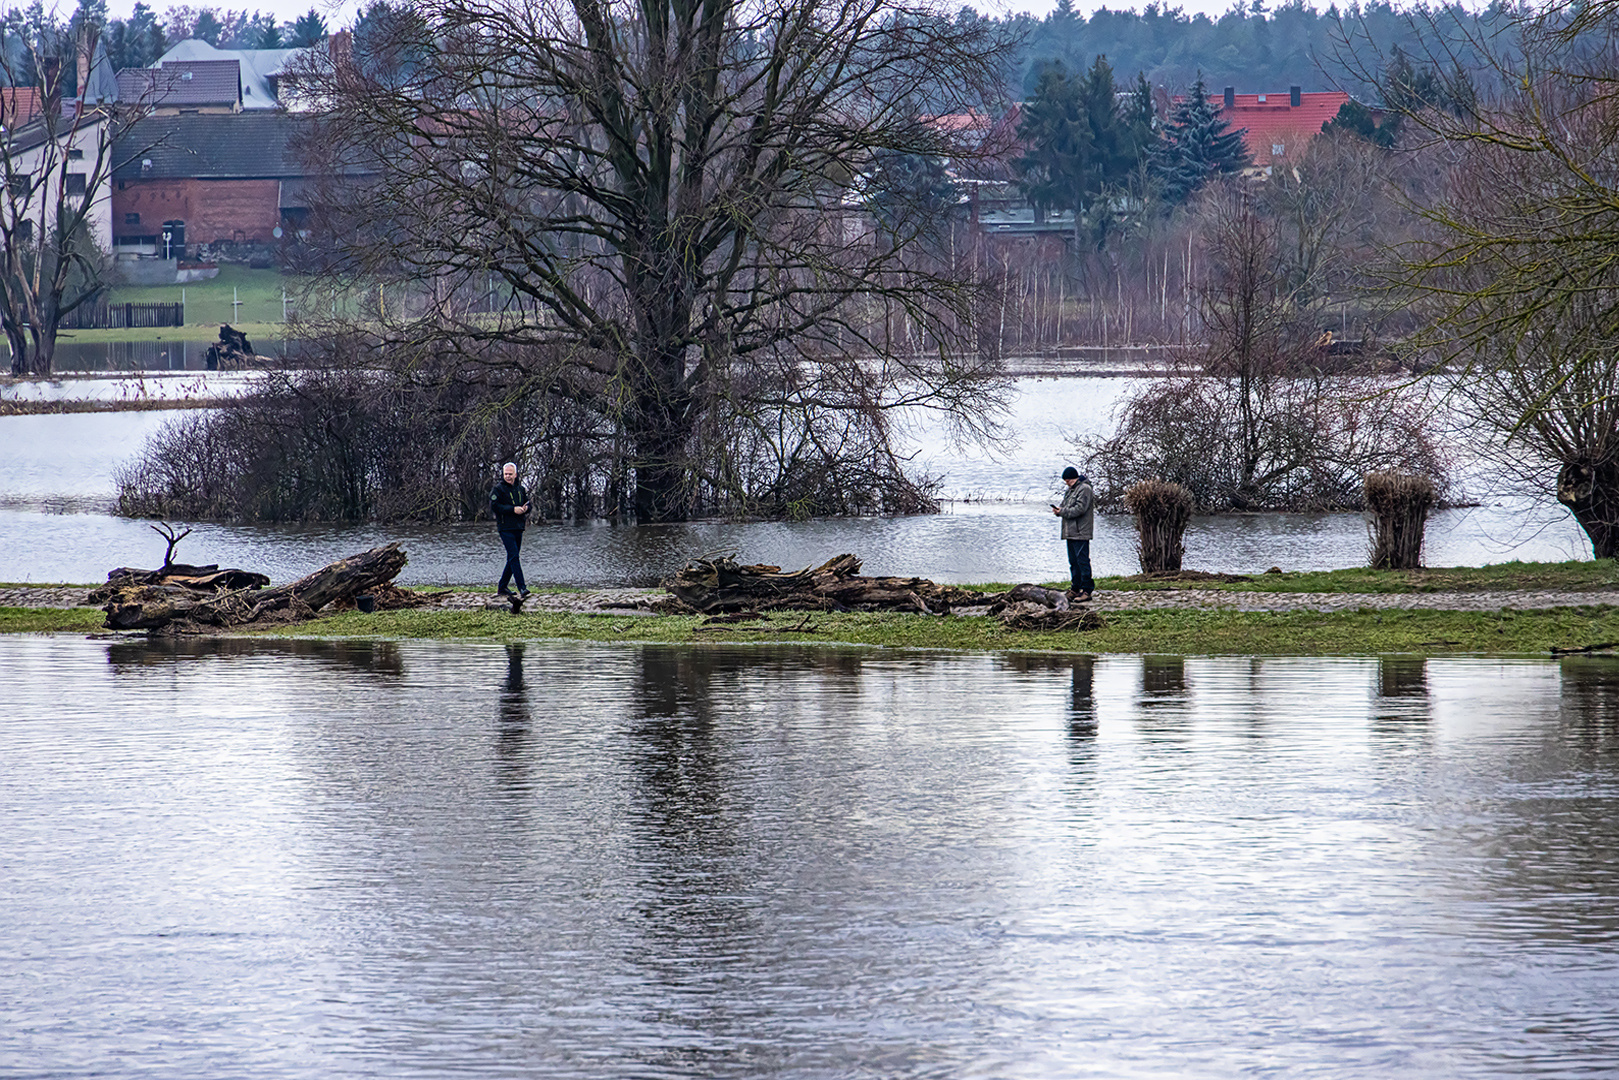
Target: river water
{"type": "Point", "coordinates": [57, 481]}
{"type": "Point", "coordinates": [354, 859]}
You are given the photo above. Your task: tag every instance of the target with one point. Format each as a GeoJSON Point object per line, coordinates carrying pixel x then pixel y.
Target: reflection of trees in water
{"type": "Point", "coordinates": [1591, 706]}
{"type": "Point", "coordinates": [693, 828]}
{"type": "Point", "coordinates": [514, 724]}
{"type": "Point", "coordinates": [370, 657]}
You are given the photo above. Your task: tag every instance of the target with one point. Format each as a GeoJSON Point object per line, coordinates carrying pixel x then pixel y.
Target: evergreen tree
{"type": "Point", "coordinates": [264, 32]}
{"type": "Point", "coordinates": [135, 42]}
{"type": "Point", "coordinates": [310, 29]}
{"type": "Point", "coordinates": [1356, 120]}
{"type": "Point", "coordinates": [1197, 143]}
{"type": "Point", "coordinates": [207, 27]}
{"type": "Point", "coordinates": [1079, 142]}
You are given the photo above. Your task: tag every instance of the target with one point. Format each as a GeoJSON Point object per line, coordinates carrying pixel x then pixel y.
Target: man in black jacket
{"type": "Point", "coordinates": [509, 503]}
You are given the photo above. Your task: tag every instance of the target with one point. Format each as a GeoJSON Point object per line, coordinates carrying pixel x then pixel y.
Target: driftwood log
{"type": "Point", "coordinates": [170, 607]}
{"type": "Point", "coordinates": [716, 585]}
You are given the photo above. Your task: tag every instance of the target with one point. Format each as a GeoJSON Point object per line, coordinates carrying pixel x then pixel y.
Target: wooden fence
{"type": "Point", "coordinates": [104, 316]}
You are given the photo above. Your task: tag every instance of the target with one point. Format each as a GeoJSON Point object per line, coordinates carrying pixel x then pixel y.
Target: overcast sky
{"type": "Point", "coordinates": [341, 14]}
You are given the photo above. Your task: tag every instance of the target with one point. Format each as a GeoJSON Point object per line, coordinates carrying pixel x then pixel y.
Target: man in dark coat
{"type": "Point", "coordinates": [1078, 513]}
{"type": "Point", "coordinates": [509, 503]}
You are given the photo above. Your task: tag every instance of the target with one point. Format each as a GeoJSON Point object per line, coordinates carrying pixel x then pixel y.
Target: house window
{"type": "Point", "coordinates": [25, 231]}
{"type": "Point", "coordinates": [1277, 149]}
{"type": "Point", "coordinates": [21, 186]}
{"type": "Point", "coordinates": [75, 183]}
{"type": "Point", "coordinates": [75, 155]}
{"type": "Point", "coordinates": [132, 219]}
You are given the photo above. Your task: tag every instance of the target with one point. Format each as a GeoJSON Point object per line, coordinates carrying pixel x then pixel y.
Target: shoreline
{"type": "Point", "coordinates": [1511, 610]}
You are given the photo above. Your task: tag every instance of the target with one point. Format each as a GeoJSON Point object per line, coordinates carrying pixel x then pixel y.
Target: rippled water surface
{"type": "Point", "coordinates": [318, 859]}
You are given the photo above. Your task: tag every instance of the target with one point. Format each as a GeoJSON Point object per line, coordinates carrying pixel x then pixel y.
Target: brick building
{"type": "Point", "coordinates": [193, 184]}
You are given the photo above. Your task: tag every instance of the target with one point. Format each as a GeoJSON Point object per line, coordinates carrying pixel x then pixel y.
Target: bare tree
{"type": "Point", "coordinates": [1254, 421]}
{"type": "Point", "coordinates": [56, 155]}
{"type": "Point", "coordinates": [669, 200]}
{"type": "Point", "coordinates": [1517, 272]}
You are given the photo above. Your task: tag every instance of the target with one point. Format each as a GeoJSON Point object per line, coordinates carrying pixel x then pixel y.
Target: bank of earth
{"type": "Point", "coordinates": [1507, 609]}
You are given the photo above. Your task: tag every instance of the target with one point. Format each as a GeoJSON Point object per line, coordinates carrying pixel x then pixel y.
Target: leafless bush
{"type": "Point", "coordinates": [1400, 502]}
{"type": "Point", "coordinates": [1162, 510]}
{"type": "Point", "coordinates": [1252, 422]}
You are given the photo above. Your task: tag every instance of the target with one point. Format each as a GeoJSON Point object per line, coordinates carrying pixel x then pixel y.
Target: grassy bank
{"type": "Point", "coordinates": [1572, 576]}
{"type": "Point", "coordinates": [1198, 632]}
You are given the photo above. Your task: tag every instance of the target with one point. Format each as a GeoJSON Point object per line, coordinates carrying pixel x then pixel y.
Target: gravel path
{"type": "Point", "coordinates": [620, 600]}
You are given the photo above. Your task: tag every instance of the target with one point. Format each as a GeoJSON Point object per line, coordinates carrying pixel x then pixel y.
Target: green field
{"type": "Point", "coordinates": [210, 302]}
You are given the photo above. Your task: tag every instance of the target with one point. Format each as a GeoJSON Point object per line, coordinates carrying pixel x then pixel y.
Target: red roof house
{"type": "Point", "coordinates": [1280, 125]}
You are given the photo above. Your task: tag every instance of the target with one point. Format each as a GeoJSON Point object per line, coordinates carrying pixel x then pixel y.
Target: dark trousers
{"type": "Point", "coordinates": [1079, 565]}
{"type": "Point", "coordinates": [512, 541]}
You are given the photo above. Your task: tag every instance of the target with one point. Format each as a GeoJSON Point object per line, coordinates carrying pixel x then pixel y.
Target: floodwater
{"type": "Point", "coordinates": [318, 859]}
{"type": "Point", "coordinates": [57, 481]}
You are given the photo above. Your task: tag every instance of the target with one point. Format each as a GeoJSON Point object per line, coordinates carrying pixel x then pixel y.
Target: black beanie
{"type": "Point", "coordinates": [1070, 473]}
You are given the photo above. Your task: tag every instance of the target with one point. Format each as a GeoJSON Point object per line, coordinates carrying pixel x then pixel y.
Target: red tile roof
{"type": "Point", "coordinates": [18, 105]}
{"type": "Point", "coordinates": [1273, 121]}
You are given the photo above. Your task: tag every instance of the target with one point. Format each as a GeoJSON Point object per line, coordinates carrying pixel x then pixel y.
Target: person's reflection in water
{"type": "Point", "coordinates": [515, 724]}
{"type": "Point", "coordinates": [1082, 697]}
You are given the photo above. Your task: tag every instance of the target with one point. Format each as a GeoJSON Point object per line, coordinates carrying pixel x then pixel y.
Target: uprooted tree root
{"type": "Point", "coordinates": [165, 607]}
{"type": "Point", "coordinates": [727, 591]}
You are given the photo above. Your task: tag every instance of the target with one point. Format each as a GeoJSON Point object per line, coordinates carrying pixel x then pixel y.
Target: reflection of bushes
{"type": "Point", "coordinates": [348, 443]}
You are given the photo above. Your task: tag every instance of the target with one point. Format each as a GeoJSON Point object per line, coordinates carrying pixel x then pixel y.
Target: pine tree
{"type": "Point", "coordinates": [1197, 143]}
{"type": "Point", "coordinates": [310, 29]}
{"type": "Point", "coordinates": [1079, 143]}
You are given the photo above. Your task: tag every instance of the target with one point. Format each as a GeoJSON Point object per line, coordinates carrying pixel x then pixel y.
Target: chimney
{"type": "Point", "coordinates": [1295, 95]}
{"type": "Point", "coordinates": [1231, 97]}
{"type": "Point", "coordinates": [86, 49]}
{"type": "Point", "coordinates": [340, 47]}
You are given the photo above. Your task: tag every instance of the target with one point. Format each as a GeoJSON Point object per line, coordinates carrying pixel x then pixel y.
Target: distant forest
{"type": "Point", "coordinates": [1251, 48]}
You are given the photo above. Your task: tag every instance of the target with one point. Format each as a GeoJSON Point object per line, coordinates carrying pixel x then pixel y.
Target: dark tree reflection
{"type": "Point", "coordinates": [367, 657]}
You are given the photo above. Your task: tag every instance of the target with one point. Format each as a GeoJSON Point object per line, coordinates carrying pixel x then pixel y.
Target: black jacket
{"type": "Point", "coordinates": [502, 498]}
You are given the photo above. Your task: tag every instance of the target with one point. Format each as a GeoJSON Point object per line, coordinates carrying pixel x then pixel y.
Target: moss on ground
{"type": "Point", "coordinates": [42, 620]}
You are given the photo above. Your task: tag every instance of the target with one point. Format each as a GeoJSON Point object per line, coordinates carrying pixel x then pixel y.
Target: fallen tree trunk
{"type": "Point", "coordinates": [715, 585]}
{"type": "Point", "coordinates": [167, 606]}
{"type": "Point", "coordinates": [203, 579]}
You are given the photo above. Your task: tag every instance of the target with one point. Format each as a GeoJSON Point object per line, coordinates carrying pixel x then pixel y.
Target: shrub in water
{"type": "Point", "coordinates": [1399, 503]}
{"type": "Point", "coordinates": [1162, 510]}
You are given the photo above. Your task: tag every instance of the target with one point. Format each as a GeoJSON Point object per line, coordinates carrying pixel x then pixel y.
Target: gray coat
{"type": "Point", "coordinates": [1078, 512]}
